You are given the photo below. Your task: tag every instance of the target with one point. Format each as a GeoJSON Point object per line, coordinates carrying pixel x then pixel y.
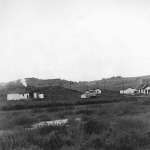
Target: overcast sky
{"type": "Point", "coordinates": [74, 39]}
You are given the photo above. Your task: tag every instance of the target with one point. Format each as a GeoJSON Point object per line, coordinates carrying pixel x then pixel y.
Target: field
{"type": "Point", "coordinates": [123, 125]}
{"type": "Point", "coordinates": [30, 104]}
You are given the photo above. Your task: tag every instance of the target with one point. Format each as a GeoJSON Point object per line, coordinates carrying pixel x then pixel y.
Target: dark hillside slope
{"type": "Point", "coordinates": [118, 83]}
{"type": "Point", "coordinates": [52, 93]}
{"type": "Point", "coordinates": [114, 83]}
{"type": "Point", "coordinates": [57, 93]}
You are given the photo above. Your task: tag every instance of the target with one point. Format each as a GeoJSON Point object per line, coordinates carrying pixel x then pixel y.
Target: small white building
{"type": "Point", "coordinates": [121, 91]}
{"type": "Point", "coordinates": [129, 91]}
{"type": "Point", "coordinates": [40, 96]}
{"type": "Point", "coordinates": [17, 96]}
{"type": "Point", "coordinates": [147, 90]}
{"type": "Point", "coordinates": [83, 96]}
{"type": "Point", "coordinates": [98, 91]}
{"type": "Point", "coordinates": [24, 96]}
{"type": "Point", "coordinates": [91, 93]}
{"type": "Point", "coordinates": [144, 89]}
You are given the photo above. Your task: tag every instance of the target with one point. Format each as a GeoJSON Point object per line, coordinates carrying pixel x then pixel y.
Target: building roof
{"type": "Point", "coordinates": [130, 89]}
{"type": "Point", "coordinates": [143, 86]}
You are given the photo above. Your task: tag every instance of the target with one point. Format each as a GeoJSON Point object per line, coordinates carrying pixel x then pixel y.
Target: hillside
{"type": "Point", "coordinates": [57, 93]}
{"type": "Point", "coordinates": [114, 83]}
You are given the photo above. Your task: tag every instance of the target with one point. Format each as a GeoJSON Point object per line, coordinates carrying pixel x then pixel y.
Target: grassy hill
{"type": "Point", "coordinates": [52, 93]}
{"type": "Point", "coordinates": [57, 93]}
{"type": "Point", "coordinates": [114, 83]}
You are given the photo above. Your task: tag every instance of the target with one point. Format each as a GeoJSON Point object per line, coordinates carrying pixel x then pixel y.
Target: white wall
{"type": "Point", "coordinates": [16, 96]}
{"type": "Point", "coordinates": [128, 91]}
{"type": "Point", "coordinates": [41, 96]}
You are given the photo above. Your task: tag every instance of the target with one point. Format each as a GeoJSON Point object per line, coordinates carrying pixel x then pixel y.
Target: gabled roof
{"type": "Point", "coordinates": [130, 89]}
{"type": "Point", "coordinates": [147, 88]}
{"type": "Point", "coordinates": [143, 86]}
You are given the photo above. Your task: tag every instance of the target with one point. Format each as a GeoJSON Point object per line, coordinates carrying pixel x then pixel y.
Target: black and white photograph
{"type": "Point", "coordinates": [74, 75]}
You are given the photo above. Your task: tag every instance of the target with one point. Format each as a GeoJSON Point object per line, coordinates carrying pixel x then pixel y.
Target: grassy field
{"type": "Point", "coordinates": [31, 104]}
{"type": "Point", "coordinates": [113, 126]}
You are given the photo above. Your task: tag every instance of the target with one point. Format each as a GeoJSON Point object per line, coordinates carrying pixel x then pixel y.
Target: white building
{"type": "Point", "coordinates": [129, 91]}
{"type": "Point", "coordinates": [91, 93]}
{"type": "Point", "coordinates": [17, 96]}
{"type": "Point", "coordinates": [83, 96]}
{"type": "Point", "coordinates": [24, 96]}
{"type": "Point", "coordinates": [141, 89]}
{"type": "Point", "coordinates": [147, 90]}
{"type": "Point", "coordinates": [40, 96]}
{"type": "Point", "coordinates": [98, 91]}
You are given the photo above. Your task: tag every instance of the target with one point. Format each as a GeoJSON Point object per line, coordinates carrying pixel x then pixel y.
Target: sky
{"type": "Point", "coordinates": [77, 40]}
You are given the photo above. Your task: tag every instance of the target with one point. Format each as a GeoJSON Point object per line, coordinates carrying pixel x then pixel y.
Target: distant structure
{"type": "Point", "coordinates": [25, 96]}
{"type": "Point", "coordinates": [91, 93]}
{"type": "Point", "coordinates": [17, 96]}
{"type": "Point", "coordinates": [129, 91]}
{"type": "Point", "coordinates": [144, 89]}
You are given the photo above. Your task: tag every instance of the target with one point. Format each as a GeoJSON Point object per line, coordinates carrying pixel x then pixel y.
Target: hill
{"type": "Point", "coordinates": [113, 84]}
{"type": "Point", "coordinates": [57, 93]}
